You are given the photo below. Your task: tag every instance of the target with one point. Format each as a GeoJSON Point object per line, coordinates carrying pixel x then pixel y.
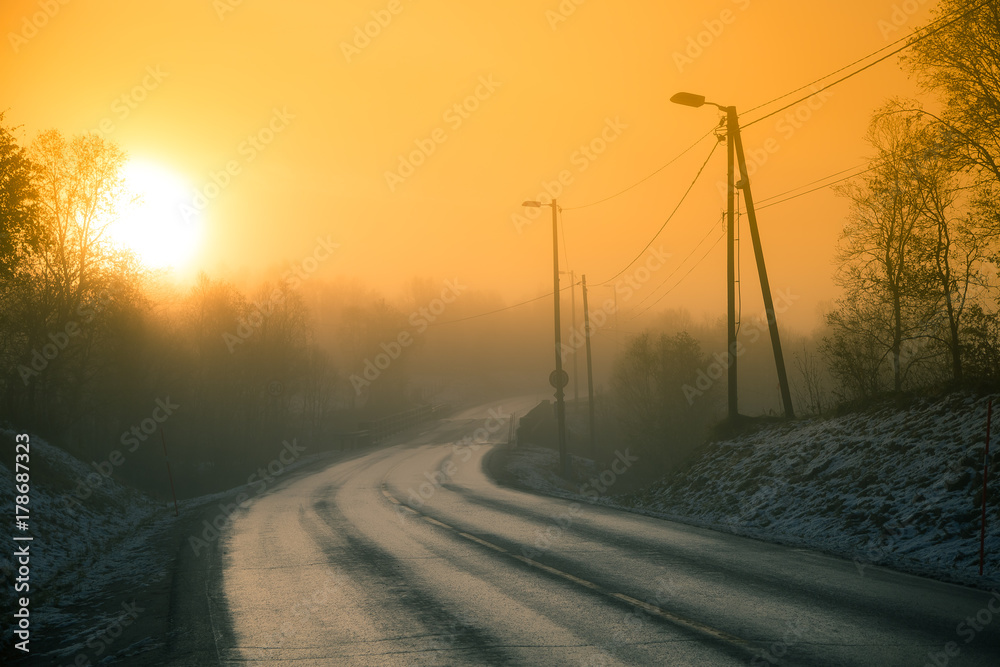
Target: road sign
{"type": "Point", "coordinates": [559, 379]}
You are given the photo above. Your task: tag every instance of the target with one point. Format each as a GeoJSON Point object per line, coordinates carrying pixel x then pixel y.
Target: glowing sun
{"type": "Point", "coordinates": [152, 224]}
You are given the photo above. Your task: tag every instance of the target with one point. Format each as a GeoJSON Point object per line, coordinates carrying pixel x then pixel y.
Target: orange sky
{"type": "Point", "coordinates": [201, 77]}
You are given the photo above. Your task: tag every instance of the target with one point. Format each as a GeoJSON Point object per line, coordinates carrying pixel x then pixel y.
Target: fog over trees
{"type": "Point", "coordinates": [101, 353]}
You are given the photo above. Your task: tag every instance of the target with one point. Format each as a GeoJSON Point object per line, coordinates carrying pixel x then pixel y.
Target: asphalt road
{"type": "Point", "coordinates": [334, 569]}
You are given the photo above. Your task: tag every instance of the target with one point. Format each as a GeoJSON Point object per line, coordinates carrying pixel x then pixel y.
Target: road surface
{"type": "Point", "coordinates": [335, 569]}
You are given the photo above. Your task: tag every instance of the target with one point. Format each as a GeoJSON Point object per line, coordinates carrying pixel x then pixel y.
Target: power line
{"type": "Point", "coordinates": [499, 310]}
{"type": "Point", "coordinates": [565, 246]}
{"type": "Point", "coordinates": [806, 185]}
{"type": "Point", "coordinates": [826, 185]}
{"type": "Point", "coordinates": [643, 180]}
{"type": "Point", "coordinates": [669, 217]}
{"type": "Point", "coordinates": [873, 164]}
{"type": "Point", "coordinates": [711, 228]}
{"type": "Point", "coordinates": [693, 267]}
{"type": "Point", "coordinates": [910, 41]}
{"type": "Point", "coordinates": [562, 289]}
{"type": "Point", "coordinates": [848, 66]}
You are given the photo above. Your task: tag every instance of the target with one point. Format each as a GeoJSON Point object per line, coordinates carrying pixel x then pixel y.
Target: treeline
{"type": "Point", "coordinates": [917, 262]}
{"type": "Point", "coordinates": [108, 360]}
{"type": "Point", "coordinates": [919, 254]}
{"type": "Point", "coordinates": [112, 362]}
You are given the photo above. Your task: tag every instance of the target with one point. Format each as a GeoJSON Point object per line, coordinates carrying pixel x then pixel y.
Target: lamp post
{"type": "Point", "coordinates": [558, 379]}
{"type": "Point", "coordinates": [734, 144]}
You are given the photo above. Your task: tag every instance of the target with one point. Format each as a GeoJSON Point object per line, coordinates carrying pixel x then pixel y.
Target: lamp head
{"type": "Point", "coordinates": [688, 99]}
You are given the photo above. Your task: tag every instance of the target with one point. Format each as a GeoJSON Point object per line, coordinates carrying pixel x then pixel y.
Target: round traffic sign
{"type": "Point", "coordinates": [559, 379]}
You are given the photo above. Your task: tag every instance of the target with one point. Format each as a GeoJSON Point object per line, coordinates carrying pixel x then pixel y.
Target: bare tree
{"type": "Point", "coordinates": [856, 347]}
{"type": "Point", "coordinates": [75, 282]}
{"type": "Point", "coordinates": [813, 393]}
{"type": "Point", "coordinates": [959, 59]}
{"type": "Point", "coordinates": [954, 235]}
{"type": "Point", "coordinates": [81, 192]}
{"type": "Point", "coordinates": [879, 247]}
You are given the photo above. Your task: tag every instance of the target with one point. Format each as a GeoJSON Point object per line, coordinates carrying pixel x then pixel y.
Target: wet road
{"type": "Point", "coordinates": [335, 569]}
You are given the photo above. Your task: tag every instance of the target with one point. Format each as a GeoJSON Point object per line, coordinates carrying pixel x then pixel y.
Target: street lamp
{"type": "Point", "coordinates": [734, 144]}
{"type": "Point", "coordinates": [558, 379]}
{"type": "Point", "coordinates": [692, 100]}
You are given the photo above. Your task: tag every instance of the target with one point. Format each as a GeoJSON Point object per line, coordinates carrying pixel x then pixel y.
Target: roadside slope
{"type": "Point", "coordinates": [894, 487]}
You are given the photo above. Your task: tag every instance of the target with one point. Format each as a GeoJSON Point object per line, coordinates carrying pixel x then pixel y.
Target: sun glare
{"type": "Point", "coordinates": [153, 225]}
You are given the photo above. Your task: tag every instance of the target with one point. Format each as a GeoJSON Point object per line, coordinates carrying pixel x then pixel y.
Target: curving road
{"type": "Point", "coordinates": [335, 569]}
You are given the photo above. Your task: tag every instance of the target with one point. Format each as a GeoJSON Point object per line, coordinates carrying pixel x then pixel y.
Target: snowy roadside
{"type": "Point", "coordinates": [887, 487]}
{"type": "Point", "coordinates": [73, 545]}
{"type": "Point", "coordinates": [110, 550]}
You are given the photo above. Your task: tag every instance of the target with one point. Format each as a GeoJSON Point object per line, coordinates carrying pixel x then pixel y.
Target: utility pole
{"type": "Point", "coordinates": [576, 373]}
{"type": "Point", "coordinates": [765, 286]}
{"type": "Point", "coordinates": [558, 378]}
{"type": "Point", "coordinates": [572, 328]}
{"type": "Point", "coordinates": [590, 370]}
{"type": "Point", "coordinates": [734, 144]}
{"type": "Point", "coordinates": [732, 127]}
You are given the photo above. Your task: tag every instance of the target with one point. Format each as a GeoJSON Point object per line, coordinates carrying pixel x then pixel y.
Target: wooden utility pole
{"type": "Point", "coordinates": [765, 286]}
{"type": "Point", "coordinates": [558, 379]}
{"type": "Point", "coordinates": [590, 371]}
{"type": "Point", "coordinates": [732, 129]}
{"type": "Point", "coordinates": [734, 144]}
{"type": "Point", "coordinates": [576, 373]}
